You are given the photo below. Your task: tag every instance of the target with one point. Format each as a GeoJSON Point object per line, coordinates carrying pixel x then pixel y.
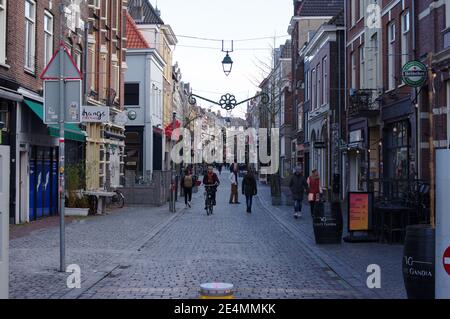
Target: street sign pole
{"type": "Point", "coordinates": [62, 183]}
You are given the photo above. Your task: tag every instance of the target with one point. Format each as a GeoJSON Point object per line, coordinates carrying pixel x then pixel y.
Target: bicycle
{"type": "Point", "coordinates": [118, 200]}
{"type": "Point", "coordinates": [209, 202]}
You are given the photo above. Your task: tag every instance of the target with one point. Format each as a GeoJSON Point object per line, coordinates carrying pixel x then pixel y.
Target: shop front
{"type": "Point", "coordinates": [37, 182]}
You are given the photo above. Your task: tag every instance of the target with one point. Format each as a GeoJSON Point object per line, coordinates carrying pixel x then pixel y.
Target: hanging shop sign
{"type": "Point", "coordinates": [414, 73]}
{"type": "Point", "coordinates": [95, 114]}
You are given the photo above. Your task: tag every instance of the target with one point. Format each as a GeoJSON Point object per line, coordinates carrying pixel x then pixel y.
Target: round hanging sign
{"type": "Point", "coordinates": [414, 73]}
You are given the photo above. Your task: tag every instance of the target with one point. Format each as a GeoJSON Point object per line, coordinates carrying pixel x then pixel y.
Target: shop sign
{"type": "Point", "coordinates": [414, 73]}
{"type": "Point", "coordinates": [360, 211]}
{"type": "Point", "coordinates": [95, 114]}
{"type": "Point", "coordinates": [319, 144]}
{"type": "Point", "coordinates": [356, 136]}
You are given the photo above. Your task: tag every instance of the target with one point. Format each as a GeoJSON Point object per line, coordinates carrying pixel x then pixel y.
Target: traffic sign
{"type": "Point", "coordinates": [414, 73]}
{"type": "Point", "coordinates": [72, 104]}
{"type": "Point", "coordinates": [446, 260]}
{"type": "Point", "coordinates": [70, 69]}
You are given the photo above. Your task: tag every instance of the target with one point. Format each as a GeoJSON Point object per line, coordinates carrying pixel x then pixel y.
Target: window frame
{"type": "Point", "coordinates": [405, 43]}
{"type": "Point", "coordinates": [51, 34]}
{"type": "Point", "coordinates": [3, 30]}
{"type": "Point", "coordinates": [138, 94]}
{"type": "Point", "coordinates": [391, 55]}
{"type": "Point", "coordinates": [30, 64]}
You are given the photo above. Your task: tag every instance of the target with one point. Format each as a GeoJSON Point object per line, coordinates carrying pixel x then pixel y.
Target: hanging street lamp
{"type": "Point", "coordinates": [227, 62]}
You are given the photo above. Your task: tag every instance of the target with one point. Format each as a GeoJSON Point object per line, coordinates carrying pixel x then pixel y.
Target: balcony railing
{"type": "Point", "coordinates": [363, 104]}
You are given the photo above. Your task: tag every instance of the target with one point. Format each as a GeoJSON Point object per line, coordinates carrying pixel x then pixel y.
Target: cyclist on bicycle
{"type": "Point", "coordinates": [211, 180]}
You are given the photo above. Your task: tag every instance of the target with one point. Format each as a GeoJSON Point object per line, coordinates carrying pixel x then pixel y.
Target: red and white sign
{"type": "Point", "coordinates": [446, 260]}
{"type": "Point", "coordinates": [70, 69]}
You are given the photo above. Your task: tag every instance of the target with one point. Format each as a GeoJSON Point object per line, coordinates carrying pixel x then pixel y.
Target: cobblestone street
{"type": "Point", "coordinates": [150, 253]}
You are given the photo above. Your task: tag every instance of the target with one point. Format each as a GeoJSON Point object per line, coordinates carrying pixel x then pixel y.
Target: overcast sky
{"type": "Point", "coordinates": [227, 20]}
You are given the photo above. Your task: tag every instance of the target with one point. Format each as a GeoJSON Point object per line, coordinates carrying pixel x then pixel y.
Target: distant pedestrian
{"type": "Point", "coordinates": [188, 183]}
{"type": "Point", "coordinates": [249, 189]}
{"type": "Point", "coordinates": [298, 188]}
{"type": "Point", "coordinates": [234, 187]}
{"type": "Point", "coordinates": [315, 190]}
{"type": "Point", "coordinates": [220, 169]}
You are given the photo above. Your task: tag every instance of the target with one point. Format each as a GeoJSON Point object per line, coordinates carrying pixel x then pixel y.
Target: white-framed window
{"type": "Point", "coordinates": [362, 8]}
{"type": "Point", "coordinates": [391, 56]}
{"type": "Point", "coordinates": [30, 34]}
{"type": "Point", "coordinates": [48, 37]}
{"type": "Point", "coordinates": [405, 37]}
{"type": "Point", "coordinates": [308, 85]}
{"type": "Point", "coordinates": [319, 86]}
{"type": "Point", "coordinates": [362, 67]}
{"type": "Point", "coordinates": [3, 15]}
{"type": "Point", "coordinates": [314, 89]}
{"type": "Point", "coordinates": [372, 66]}
{"type": "Point", "coordinates": [325, 80]}
{"type": "Point", "coordinates": [353, 65]}
{"type": "Point", "coordinates": [447, 13]}
{"type": "Point", "coordinates": [353, 12]}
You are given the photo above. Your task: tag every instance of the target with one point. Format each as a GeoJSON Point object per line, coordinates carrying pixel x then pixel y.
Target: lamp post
{"type": "Point", "coordinates": [173, 186]}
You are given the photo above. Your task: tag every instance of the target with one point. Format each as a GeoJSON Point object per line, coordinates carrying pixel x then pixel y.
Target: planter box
{"type": "Point", "coordinates": [81, 212]}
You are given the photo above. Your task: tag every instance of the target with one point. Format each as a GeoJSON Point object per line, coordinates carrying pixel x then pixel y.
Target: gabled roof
{"type": "Point", "coordinates": [135, 40]}
{"type": "Point", "coordinates": [143, 12]}
{"type": "Point", "coordinates": [320, 8]}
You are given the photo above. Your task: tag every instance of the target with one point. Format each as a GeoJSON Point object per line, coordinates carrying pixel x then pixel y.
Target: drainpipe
{"type": "Point", "coordinates": [417, 105]}
{"type": "Point", "coordinates": [344, 166]}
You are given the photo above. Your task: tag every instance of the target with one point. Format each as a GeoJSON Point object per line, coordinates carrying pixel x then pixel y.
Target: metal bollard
{"type": "Point", "coordinates": [216, 291]}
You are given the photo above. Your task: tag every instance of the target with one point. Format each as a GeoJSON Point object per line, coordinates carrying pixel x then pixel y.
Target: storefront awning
{"type": "Point", "coordinates": [71, 131]}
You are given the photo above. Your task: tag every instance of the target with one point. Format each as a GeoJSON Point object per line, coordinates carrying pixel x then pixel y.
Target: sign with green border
{"type": "Point", "coordinates": [414, 73]}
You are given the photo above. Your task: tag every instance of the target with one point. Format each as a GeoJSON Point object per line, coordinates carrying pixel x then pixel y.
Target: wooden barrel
{"type": "Point", "coordinates": [419, 262]}
{"type": "Point", "coordinates": [328, 223]}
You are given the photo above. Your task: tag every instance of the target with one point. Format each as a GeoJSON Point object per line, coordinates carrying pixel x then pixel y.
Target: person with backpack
{"type": "Point", "coordinates": [188, 184]}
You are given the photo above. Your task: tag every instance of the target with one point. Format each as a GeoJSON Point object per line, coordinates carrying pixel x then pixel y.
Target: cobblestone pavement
{"type": "Point", "coordinates": [150, 253]}
{"type": "Point", "coordinates": [348, 260]}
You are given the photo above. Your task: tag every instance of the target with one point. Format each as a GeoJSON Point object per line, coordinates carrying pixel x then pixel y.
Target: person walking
{"type": "Point", "coordinates": [234, 187]}
{"type": "Point", "coordinates": [315, 190]}
{"type": "Point", "coordinates": [298, 186]}
{"type": "Point", "coordinates": [249, 189]}
{"type": "Point", "coordinates": [188, 184]}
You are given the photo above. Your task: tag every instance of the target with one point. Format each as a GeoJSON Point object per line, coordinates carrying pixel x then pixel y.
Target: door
{"type": "Point", "coordinates": [4, 221]}
{"type": "Point", "coordinates": [24, 207]}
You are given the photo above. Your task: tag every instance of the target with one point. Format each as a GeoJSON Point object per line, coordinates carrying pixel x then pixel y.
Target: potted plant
{"type": "Point", "coordinates": [76, 203]}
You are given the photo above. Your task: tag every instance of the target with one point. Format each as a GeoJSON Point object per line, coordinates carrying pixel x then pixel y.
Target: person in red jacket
{"type": "Point", "coordinates": [314, 190]}
{"type": "Point", "coordinates": [211, 179]}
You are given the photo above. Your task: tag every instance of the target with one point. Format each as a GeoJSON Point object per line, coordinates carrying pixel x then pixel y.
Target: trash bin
{"type": "Point", "coordinates": [328, 223]}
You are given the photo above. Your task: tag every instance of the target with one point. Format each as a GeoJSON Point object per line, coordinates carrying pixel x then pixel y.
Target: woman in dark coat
{"type": "Point", "coordinates": [298, 186]}
{"type": "Point", "coordinates": [249, 189]}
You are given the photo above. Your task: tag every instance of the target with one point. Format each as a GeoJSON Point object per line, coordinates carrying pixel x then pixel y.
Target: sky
{"type": "Point", "coordinates": [225, 20]}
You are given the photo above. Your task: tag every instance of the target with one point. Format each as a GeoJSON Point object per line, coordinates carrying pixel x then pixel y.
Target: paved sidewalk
{"type": "Point", "coordinates": [348, 260]}
{"type": "Point", "coordinates": [97, 244]}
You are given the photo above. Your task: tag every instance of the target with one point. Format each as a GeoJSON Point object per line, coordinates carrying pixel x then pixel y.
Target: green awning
{"type": "Point", "coordinates": [71, 131]}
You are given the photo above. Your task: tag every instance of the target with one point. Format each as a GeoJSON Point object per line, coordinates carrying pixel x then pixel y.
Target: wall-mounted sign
{"type": "Point", "coordinates": [319, 144]}
{"type": "Point", "coordinates": [95, 114]}
{"type": "Point", "coordinates": [132, 115]}
{"type": "Point", "coordinates": [360, 211]}
{"type": "Point", "coordinates": [414, 73]}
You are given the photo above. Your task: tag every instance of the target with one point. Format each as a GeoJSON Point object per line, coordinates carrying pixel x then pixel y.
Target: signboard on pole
{"type": "Point", "coordinates": [72, 97]}
{"type": "Point", "coordinates": [442, 224]}
{"type": "Point", "coordinates": [95, 114]}
{"type": "Point", "coordinates": [414, 74]}
{"type": "Point", "coordinates": [360, 211]}
{"type": "Point", "coordinates": [69, 67]}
